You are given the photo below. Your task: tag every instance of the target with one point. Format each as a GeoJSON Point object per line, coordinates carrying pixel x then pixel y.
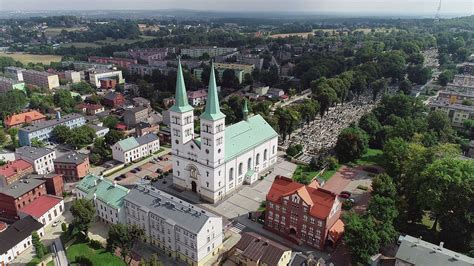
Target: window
{"type": "Point", "coordinates": [320, 223]}
{"type": "Point", "coordinates": [273, 149]}
{"type": "Point", "coordinates": [249, 164]}
{"type": "Point", "coordinates": [257, 159]}
{"type": "Point", "coordinates": [265, 155]}
{"type": "Point", "coordinates": [240, 168]}
{"type": "Point", "coordinates": [231, 174]}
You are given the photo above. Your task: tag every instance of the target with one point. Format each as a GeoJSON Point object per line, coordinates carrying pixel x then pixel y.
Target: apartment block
{"type": "Point", "coordinates": [133, 149]}
{"type": "Point", "coordinates": [183, 231]}
{"type": "Point", "coordinates": [15, 73]}
{"type": "Point", "coordinates": [41, 158]}
{"type": "Point", "coordinates": [120, 62]}
{"type": "Point", "coordinates": [19, 194]}
{"type": "Point", "coordinates": [41, 79]}
{"type": "Point", "coordinates": [8, 84]}
{"type": "Point", "coordinates": [133, 116]}
{"type": "Point", "coordinates": [72, 76]}
{"type": "Point", "coordinates": [457, 113]}
{"type": "Point", "coordinates": [195, 52]}
{"type": "Point", "coordinates": [95, 77]}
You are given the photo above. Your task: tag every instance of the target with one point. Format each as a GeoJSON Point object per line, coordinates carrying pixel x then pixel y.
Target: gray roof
{"type": "Point", "coordinates": [174, 210]}
{"type": "Point", "coordinates": [50, 123]}
{"type": "Point", "coordinates": [452, 106]}
{"type": "Point", "coordinates": [96, 128]}
{"type": "Point", "coordinates": [32, 152]}
{"type": "Point", "coordinates": [136, 109]}
{"type": "Point", "coordinates": [72, 158]}
{"type": "Point", "coordinates": [419, 252]}
{"type": "Point", "coordinates": [18, 232]}
{"type": "Point", "coordinates": [147, 138]}
{"type": "Point", "coordinates": [20, 187]}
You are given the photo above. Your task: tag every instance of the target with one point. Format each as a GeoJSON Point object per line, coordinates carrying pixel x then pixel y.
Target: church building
{"type": "Point", "coordinates": [222, 158]}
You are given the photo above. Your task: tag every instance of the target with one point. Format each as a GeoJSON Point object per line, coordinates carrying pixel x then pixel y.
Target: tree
{"type": "Point", "coordinates": [371, 125]}
{"type": "Point", "coordinates": [382, 209]}
{"type": "Point", "coordinates": [113, 136]}
{"type": "Point", "coordinates": [309, 110]}
{"type": "Point", "coordinates": [445, 77]}
{"type": "Point", "coordinates": [13, 132]}
{"type": "Point", "coordinates": [360, 237]}
{"type": "Point", "coordinates": [124, 236]}
{"type": "Point", "coordinates": [40, 249]}
{"type": "Point", "coordinates": [377, 87]}
{"type": "Point", "coordinates": [325, 95]}
{"type": "Point", "coordinates": [81, 136]}
{"type": "Point", "coordinates": [3, 138]}
{"type": "Point", "coordinates": [61, 133]}
{"type": "Point", "coordinates": [35, 142]}
{"type": "Point", "coordinates": [83, 212]}
{"type": "Point", "coordinates": [294, 150]}
{"type": "Point", "coordinates": [110, 121]}
{"type": "Point", "coordinates": [351, 144]}
{"type": "Point", "coordinates": [440, 123]}
{"type": "Point", "coordinates": [419, 74]}
{"type": "Point", "coordinates": [382, 185]}
{"type": "Point", "coordinates": [63, 98]}
{"type": "Point", "coordinates": [405, 87]}
{"type": "Point", "coordinates": [229, 79]}
{"type": "Point", "coordinates": [82, 88]}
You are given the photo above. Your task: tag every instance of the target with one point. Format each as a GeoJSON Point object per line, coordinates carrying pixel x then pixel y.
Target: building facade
{"type": "Point", "coordinates": [196, 52]}
{"type": "Point", "coordinates": [120, 62]}
{"type": "Point", "coordinates": [41, 79]}
{"type": "Point", "coordinates": [113, 100]}
{"type": "Point", "coordinates": [19, 194]}
{"type": "Point", "coordinates": [457, 113]}
{"type": "Point", "coordinates": [13, 171]}
{"type": "Point", "coordinates": [223, 158]}
{"type": "Point", "coordinates": [44, 209]}
{"type": "Point", "coordinates": [107, 196]}
{"type": "Point", "coordinates": [15, 73]}
{"type": "Point", "coordinates": [42, 131]}
{"type": "Point", "coordinates": [18, 120]}
{"type": "Point", "coordinates": [72, 76]}
{"type": "Point", "coordinates": [133, 116]}
{"type": "Point", "coordinates": [73, 166]}
{"type": "Point", "coordinates": [7, 84]}
{"type": "Point", "coordinates": [133, 149]}
{"type": "Point", "coordinates": [182, 230]}
{"type": "Point", "coordinates": [96, 76]}
{"type": "Point", "coordinates": [54, 183]}
{"type": "Point", "coordinates": [41, 158]}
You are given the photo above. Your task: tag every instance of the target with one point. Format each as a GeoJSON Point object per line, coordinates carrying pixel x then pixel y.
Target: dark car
{"type": "Point", "coordinates": [118, 178]}
{"type": "Point", "coordinates": [344, 196]}
{"type": "Point", "coordinates": [134, 171]}
{"type": "Point", "coordinates": [138, 169]}
{"type": "Point", "coordinates": [346, 192]}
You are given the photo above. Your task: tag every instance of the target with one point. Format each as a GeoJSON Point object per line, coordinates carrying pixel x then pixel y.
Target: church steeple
{"type": "Point", "coordinates": [181, 104]}
{"type": "Point", "coordinates": [246, 110]}
{"type": "Point", "coordinates": [213, 111]}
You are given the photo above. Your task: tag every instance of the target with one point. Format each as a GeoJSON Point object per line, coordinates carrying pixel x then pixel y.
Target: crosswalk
{"type": "Point", "coordinates": [237, 228]}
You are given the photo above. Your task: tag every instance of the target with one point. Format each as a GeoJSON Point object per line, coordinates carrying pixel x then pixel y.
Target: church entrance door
{"type": "Point", "coordinates": [194, 186]}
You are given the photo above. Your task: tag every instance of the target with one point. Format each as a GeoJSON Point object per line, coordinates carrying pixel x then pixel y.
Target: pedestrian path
{"type": "Point", "coordinates": [237, 228]}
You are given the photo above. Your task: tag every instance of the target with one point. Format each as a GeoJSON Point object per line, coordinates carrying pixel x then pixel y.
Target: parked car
{"type": "Point", "coordinates": [351, 200]}
{"type": "Point", "coordinates": [344, 196]}
{"type": "Point", "coordinates": [134, 171]}
{"type": "Point", "coordinates": [118, 178]}
{"type": "Point", "coordinates": [346, 192]}
{"type": "Point", "coordinates": [138, 169]}
{"type": "Point", "coordinates": [56, 223]}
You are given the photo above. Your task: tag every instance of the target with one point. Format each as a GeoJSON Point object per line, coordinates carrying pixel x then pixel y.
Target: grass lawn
{"type": "Point", "coordinates": [35, 261]}
{"type": "Point", "coordinates": [50, 263]}
{"type": "Point", "coordinates": [304, 174]}
{"type": "Point", "coordinates": [34, 58]}
{"type": "Point", "coordinates": [371, 157]}
{"type": "Point", "coordinates": [96, 256]}
{"type": "Point", "coordinates": [329, 173]}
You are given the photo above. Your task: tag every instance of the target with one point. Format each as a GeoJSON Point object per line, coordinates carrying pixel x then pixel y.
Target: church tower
{"type": "Point", "coordinates": [181, 116]}
{"type": "Point", "coordinates": [212, 127]}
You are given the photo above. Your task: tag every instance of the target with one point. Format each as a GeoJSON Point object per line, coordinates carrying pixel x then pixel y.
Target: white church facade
{"type": "Point", "coordinates": [222, 158]}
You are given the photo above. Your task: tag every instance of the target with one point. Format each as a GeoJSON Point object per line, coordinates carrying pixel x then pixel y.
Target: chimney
{"type": "Point", "coordinates": [58, 115]}
{"type": "Point", "coordinates": [441, 244]}
{"type": "Point", "coordinates": [115, 183]}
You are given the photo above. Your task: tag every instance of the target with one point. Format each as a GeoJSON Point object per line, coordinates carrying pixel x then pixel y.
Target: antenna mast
{"type": "Point", "coordinates": [438, 11]}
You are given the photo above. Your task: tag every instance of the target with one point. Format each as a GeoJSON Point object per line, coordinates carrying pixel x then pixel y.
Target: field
{"type": "Point", "coordinates": [33, 58]}
{"type": "Point", "coordinates": [106, 42]}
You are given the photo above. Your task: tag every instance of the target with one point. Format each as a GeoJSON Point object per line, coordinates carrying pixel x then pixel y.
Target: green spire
{"type": "Point", "coordinates": [181, 104]}
{"type": "Point", "coordinates": [213, 111]}
{"type": "Point", "coordinates": [246, 110]}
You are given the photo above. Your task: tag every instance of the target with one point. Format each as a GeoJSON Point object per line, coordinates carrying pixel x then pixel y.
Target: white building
{"type": "Point", "coordinates": [44, 209]}
{"type": "Point", "coordinates": [96, 76]}
{"type": "Point", "coordinates": [7, 156]}
{"type": "Point", "coordinates": [41, 158]}
{"type": "Point", "coordinates": [223, 158]}
{"type": "Point", "coordinates": [133, 149]}
{"type": "Point", "coordinates": [17, 238]}
{"type": "Point", "coordinates": [107, 196]}
{"type": "Point", "coordinates": [73, 76]}
{"type": "Point", "coordinates": [100, 132]}
{"type": "Point", "coordinates": [182, 230]}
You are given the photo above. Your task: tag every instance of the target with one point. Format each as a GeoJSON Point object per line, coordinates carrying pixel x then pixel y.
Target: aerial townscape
{"type": "Point", "coordinates": [255, 133]}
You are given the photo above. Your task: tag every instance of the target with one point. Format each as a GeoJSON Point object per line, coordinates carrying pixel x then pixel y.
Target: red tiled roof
{"type": "Point", "coordinates": [89, 106]}
{"type": "Point", "coordinates": [12, 168]}
{"type": "Point", "coordinates": [26, 117]}
{"type": "Point", "coordinates": [320, 200]}
{"type": "Point", "coordinates": [3, 226]}
{"type": "Point", "coordinates": [336, 231]}
{"type": "Point", "coordinates": [41, 205]}
{"type": "Point", "coordinates": [197, 94]}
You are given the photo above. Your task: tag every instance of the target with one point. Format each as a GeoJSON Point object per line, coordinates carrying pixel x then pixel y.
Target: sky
{"type": "Point", "coordinates": [465, 7]}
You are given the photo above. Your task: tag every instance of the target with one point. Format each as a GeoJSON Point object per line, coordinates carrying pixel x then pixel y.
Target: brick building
{"type": "Point", "coordinates": [120, 62]}
{"type": "Point", "coordinates": [113, 100]}
{"type": "Point", "coordinates": [18, 120]}
{"type": "Point", "coordinates": [90, 109]}
{"type": "Point", "coordinates": [19, 194]}
{"type": "Point", "coordinates": [73, 165]}
{"type": "Point", "coordinates": [303, 214]}
{"type": "Point", "coordinates": [54, 183]}
{"type": "Point", "coordinates": [13, 171]}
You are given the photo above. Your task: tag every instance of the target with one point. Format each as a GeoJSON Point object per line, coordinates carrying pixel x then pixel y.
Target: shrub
{"type": "Point", "coordinates": [362, 187]}
{"type": "Point", "coordinates": [83, 260]}
{"type": "Point", "coordinates": [331, 162]}
{"type": "Point", "coordinates": [64, 227]}
{"type": "Point", "coordinates": [95, 244]}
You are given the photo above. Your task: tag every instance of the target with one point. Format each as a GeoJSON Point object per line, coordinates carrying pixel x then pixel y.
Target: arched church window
{"type": "Point", "coordinates": [193, 172]}
{"type": "Point", "coordinates": [257, 159]}
{"type": "Point", "coordinates": [249, 164]}
{"type": "Point", "coordinates": [240, 168]}
{"type": "Point", "coordinates": [231, 174]}
{"type": "Point", "coordinates": [265, 155]}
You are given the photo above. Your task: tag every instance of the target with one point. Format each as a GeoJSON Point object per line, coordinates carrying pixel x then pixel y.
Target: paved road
{"type": "Point", "coordinates": [291, 100]}
{"type": "Point", "coordinates": [60, 259]}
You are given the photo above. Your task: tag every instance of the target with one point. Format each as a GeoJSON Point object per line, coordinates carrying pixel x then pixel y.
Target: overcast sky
{"type": "Point", "coordinates": [465, 7]}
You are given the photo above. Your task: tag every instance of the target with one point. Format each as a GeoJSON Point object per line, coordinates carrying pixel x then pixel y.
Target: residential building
{"type": "Point", "coordinates": [143, 128]}
{"type": "Point", "coordinates": [90, 109]}
{"type": "Point", "coordinates": [44, 209]}
{"type": "Point", "coordinates": [470, 152]}
{"type": "Point", "coordinates": [148, 70]}
{"type": "Point", "coordinates": [239, 69]}
{"type": "Point", "coordinates": [147, 54]}
{"type": "Point", "coordinates": [133, 149]}
{"type": "Point", "coordinates": [17, 238]}
{"type": "Point", "coordinates": [42, 131]}
{"type": "Point", "coordinates": [41, 158]}
{"type": "Point", "coordinates": [453, 97]}
{"type": "Point", "coordinates": [7, 84]}
{"type": "Point", "coordinates": [113, 100]}
{"type": "Point", "coordinates": [73, 165]}
{"type": "Point", "coordinates": [120, 62]}
{"type": "Point", "coordinates": [262, 90]}
{"type": "Point", "coordinates": [251, 59]}
{"type": "Point", "coordinates": [15, 73]}
{"type": "Point", "coordinates": [183, 231]}
{"type": "Point", "coordinates": [72, 76]}
{"type": "Point", "coordinates": [457, 113]}
{"type": "Point", "coordinates": [462, 83]}
{"type": "Point", "coordinates": [275, 93]}
{"type": "Point", "coordinates": [19, 194]}
{"type": "Point", "coordinates": [223, 158]}
{"type": "Point", "coordinates": [41, 79]}
{"type": "Point", "coordinates": [7, 155]}
{"type": "Point", "coordinates": [196, 52]}
{"type": "Point", "coordinates": [414, 251]}
{"type": "Point", "coordinates": [54, 183]}
{"type": "Point", "coordinates": [82, 65]}
{"type": "Point", "coordinates": [111, 77]}
{"type": "Point", "coordinates": [305, 214]}
{"type": "Point", "coordinates": [13, 171]}
{"type": "Point", "coordinates": [18, 120]}
{"type": "Point", "coordinates": [100, 132]}
{"type": "Point", "coordinates": [197, 98]}
{"type": "Point", "coordinates": [287, 69]}
{"type": "Point", "coordinates": [133, 116]}
{"type": "Point", "coordinates": [140, 101]}
{"type": "Point", "coordinates": [108, 197]}
{"type": "Point", "coordinates": [254, 249]}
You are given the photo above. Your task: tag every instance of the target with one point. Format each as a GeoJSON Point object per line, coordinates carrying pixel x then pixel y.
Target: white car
{"type": "Point", "coordinates": [56, 223]}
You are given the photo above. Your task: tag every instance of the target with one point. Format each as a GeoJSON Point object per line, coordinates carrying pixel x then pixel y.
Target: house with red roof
{"type": "Point", "coordinates": [45, 209]}
{"type": "Point", "coordinates": [13, 171]}
{"type": "Point", "coordinates": [90, 109]}
{"type": "Point", "coordinates": [18, 120]}
{"type": "Point", "coordinates": [197, 98]}
{"type": "Point", "coordinates": [303, 213]}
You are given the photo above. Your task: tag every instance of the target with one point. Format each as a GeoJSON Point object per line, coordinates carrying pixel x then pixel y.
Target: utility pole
{"type": "Point", "coordinates": [438, 11]}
